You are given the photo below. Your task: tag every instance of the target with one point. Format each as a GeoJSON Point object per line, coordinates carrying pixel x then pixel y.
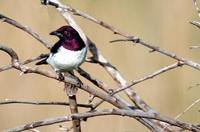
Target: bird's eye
{"type": "Point", "coordinates": [67, 34]}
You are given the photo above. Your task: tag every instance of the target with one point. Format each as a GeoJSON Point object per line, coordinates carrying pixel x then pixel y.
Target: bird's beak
{"type": "Point", "coordinates": [56, 33]}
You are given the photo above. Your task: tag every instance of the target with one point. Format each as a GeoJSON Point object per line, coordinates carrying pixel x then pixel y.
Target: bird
{"type": "Point", "coordinates": [68, 53]}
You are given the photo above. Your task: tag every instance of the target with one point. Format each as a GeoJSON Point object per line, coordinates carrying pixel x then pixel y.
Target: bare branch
{"type": "Point", "coordinates": [101, 85]}
{"type": "Point", "coordinates": [167, 53]}
{"type": "Point", "coordinates": [11, 101]}
{"type": "Point", "coordinates": [53, 75]}
{"type": "Point", "coordinates": [11, 53]}
{"type": "Point", "coordinates": [188, 108]}
{"type": "Point", "coordinates": [92, 79]}
{"type": "Point", "coordinates": [195, 23]}
{"type": "Point", "coordinates": [26, 29]}
{"type": "Point", "coordinates": [150, 76]}
{"type": "Point", "coordinates": [25, 62]}
{"type": "Point", "coordinates": [119, 112]}
{"type": "Point", "coordinates": [131, 37]}
{"type": "Point", "coordinates": [71, 93]}
{"type": "Point", "coordinates": [194, 47]}
{"type": "Point", "coordinates": [196, 6]}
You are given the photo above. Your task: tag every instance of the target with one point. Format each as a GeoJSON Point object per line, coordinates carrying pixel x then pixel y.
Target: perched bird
{"type": "Point", "coordinates": [68, 53]}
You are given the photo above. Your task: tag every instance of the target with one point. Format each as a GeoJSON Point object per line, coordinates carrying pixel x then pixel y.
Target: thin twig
{"type": "Point", "coordinates": [188, 108]}
{"type": "Point", "coordinates": [94, 80]}
{"type": "Point", "coordinates": [194, 47]}
{"type": "Point", "coordinates": [7, 67]}
{"type": "Point", "coordinates": [182, 113]}
{"type": "Point", "coordinates": [11, 101]}
{"type": "Point", "coordinates": [150, 76]}
{"type": "Point", "coordinates": [195, 23]}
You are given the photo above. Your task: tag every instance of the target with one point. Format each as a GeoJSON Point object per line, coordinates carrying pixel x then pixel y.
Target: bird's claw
{"type": "Point", "coordinates": [61, 77]}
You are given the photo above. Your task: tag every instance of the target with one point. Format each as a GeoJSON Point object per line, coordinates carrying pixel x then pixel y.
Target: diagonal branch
{"type": "Point", "coordinates": [150, 76]}
{"type": "Point", "coordinates": [26, 29]}
{"type": "Point", "coordinates": [101, 85]}
{"type": "Point", "coordinates": [188, 108]}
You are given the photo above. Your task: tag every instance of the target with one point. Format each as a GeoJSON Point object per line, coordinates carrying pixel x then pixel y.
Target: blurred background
{"type": "Point", "coordinates": [162, 23]}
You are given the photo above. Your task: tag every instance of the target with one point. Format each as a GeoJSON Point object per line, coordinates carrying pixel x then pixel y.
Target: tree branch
{"type": "Point", "coordinates": [26, 29]}
{"type": "Point", "coordinates": [130, 37]}
{"type": "Point", "coordinates": [25, 69]}
{"type": "Point", "coordinates": [196, 6]}
{"type": "Point", "coordinates": [119, 112]}
{"type": "Point", "coordinates": [71, 93]}
{"type": "Point", "coordinates": [7, 67]}
{"type": "Point", "coordinates": [11, 101]}
{"type": "Point", "coordinates": [150, 76]}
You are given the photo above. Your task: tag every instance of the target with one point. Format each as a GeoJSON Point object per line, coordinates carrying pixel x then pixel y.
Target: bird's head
{"type": "Point", "coordinates": [69, 38]}
{"type": "Point", "coordinates": [65, 32]}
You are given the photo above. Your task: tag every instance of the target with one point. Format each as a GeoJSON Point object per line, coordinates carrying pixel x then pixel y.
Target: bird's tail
{"type": "Point", "coordinates": [43, 61]}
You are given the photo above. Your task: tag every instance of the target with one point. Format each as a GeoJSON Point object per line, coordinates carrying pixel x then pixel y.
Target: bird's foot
{"type": "Point", "coordinates": [71, 74]}
{"type": "Point", "coordinates": [61, 77]}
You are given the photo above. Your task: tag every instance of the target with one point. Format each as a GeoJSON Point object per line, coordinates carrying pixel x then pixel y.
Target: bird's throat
{"type": "Point", "coordinates": [73, 45]}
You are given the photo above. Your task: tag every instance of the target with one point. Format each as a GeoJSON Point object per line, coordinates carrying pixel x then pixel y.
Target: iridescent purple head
{"type": "Point", "coordinates": [69, 38]}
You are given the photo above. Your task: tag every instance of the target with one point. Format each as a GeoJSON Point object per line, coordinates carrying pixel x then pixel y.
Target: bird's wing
{"type": "Point", "coordinates": [43, 61]}
{"type": "Point", "coordinates": [56, 46]}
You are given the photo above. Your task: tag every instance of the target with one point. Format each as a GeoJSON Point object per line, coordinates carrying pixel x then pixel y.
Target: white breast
{"type": "Point", "coordinates": [67, 60]}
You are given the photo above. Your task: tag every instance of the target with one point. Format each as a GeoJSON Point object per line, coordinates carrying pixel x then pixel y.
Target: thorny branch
{"type": "Point", "coordinates": [144, 112]}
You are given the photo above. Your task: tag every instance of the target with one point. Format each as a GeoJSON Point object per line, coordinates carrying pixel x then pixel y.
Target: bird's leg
{"type": "Point", "coordinates": [71, 73]}
{"type": "Point", "coordinates": [61, 77]}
